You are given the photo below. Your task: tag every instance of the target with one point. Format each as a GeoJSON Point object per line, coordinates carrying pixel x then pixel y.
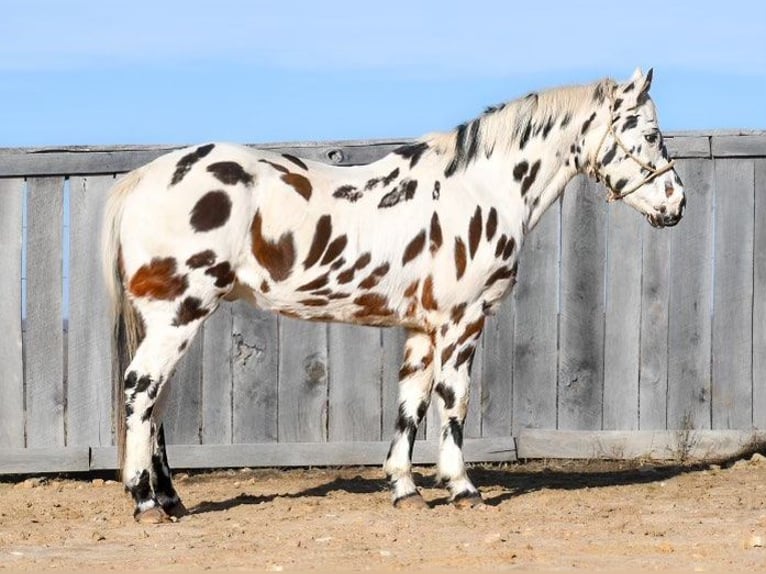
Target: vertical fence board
{"type": "Point", "coordinates": [11, 359]}
{"type": "Point", "coordinates": [759, 298]}
{"type": "Point", "coordinates": [183, 397]}
{"type": "Point", "coordinates": [497, 373]}
{"type": "Point", "coordinates": [472, 427]}
{"type": "Point", "coordinates": [256, 346]}
{"type": "Point", "coordinates": [43, 340]}
{"type": "Point", "coordinates": [355, 377]}
{"type": "Point", "coordinates": [89, 365]}
{"type": "Point", "coordinates": [733, 293]}
{"type": "Point", "coordinates": [535, 329]}
{"type": "Point", "coordinates": [303, 379]}
{"type": "Point", "coordinates": [691, 291]}
{"type": "Point", "coordinates": [622, 327]}
{"type": "Point", "coordinates": [653, 378]}
{"type": "Point", "coordinates": [216, 376]}
{"type": "Point", "coordinates": [581, 357]}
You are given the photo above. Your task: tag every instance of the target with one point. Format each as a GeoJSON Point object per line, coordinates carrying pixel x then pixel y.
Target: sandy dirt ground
{"type": "Point", "coordinates": [539, 516]}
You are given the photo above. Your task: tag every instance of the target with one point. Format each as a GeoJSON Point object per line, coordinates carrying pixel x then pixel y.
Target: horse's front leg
{"type": "Point", "coordinates": [415, 384]}
{"type": "Point", "coordinates": [455, 349]}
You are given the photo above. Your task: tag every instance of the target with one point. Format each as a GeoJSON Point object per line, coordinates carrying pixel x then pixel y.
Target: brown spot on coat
{"type": "Point", "coordinates": [362, 262]}
{"type": "Point", "coordinates": [471, 330]}
{"type": "Point", "coordinates": [427, 299]}
{"type": "Point", "coordinates": [335, 248]}
{"type": "Point", "coordinates": [457, 313]}
{"type": "Point", "coordinates": [314, 302]}
{"type": "Point", "coordinates": [491, 224]}
{"type": "Point", "coordinates": [316, 283]}
{"type": "Point", "coordinates": [372, 305]}
{"type": "Point", "coordinates": [299, 183]}
{"type": "Point", "coordinates": [211, 211]}
{"type": "Point", "coordinates": [474, 232]}
{"type": "Point", "coordinates": [447, 353]}
{"type": "Point", "coordinates": [158, 280]}
{"type": "Point", "coordinates": [465, 355]}
{"type": "Point", "coordinates": [276, 166]}
{"type": "Point", "coordinates": [277, 257]}
{"type": "Point", "coordinates": [375, 276]}
{"type": "Point", "coordinates": [223, 273]}
{"type": "Point", "coordinates": [412, 288]}
{"type": "Point", "coordinates": [460, 257]}
{"type": "Point", "coordinates": [265, 286]}
{"type": "Point", "coordinates": [414, 247]}
{"type": "Point", "coordinates": [436, 234]}
{"type": "Point", "coordinates": [500, 274]}
{"type": "Point", "coordinates": [319, 242]}
{"type": "Point", "coordinates": [190, 309]}
{"type": "Point", "coordinates": [202, 259]}
{"type": "Point", "coordinates": [230, 173]}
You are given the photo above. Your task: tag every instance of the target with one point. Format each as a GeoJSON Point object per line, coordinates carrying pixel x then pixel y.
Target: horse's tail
{"type": "Point", "coordinates": [127, 327]}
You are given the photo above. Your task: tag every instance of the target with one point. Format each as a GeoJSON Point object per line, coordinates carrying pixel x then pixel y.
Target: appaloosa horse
{"type": "Point", "coordinates": [427, 238]}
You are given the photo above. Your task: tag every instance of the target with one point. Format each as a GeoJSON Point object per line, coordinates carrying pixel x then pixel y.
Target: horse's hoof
{"type": "Point", "coordinates": [411, 502]}
{"type": "Point", "coordinates": [154, 515]}
{"type": "Point", "coordinates": [468, 500]}
{"type": "Point", "coordinates": [177, 510]}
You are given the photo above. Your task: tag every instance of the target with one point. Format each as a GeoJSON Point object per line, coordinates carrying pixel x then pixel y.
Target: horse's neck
{"type": "Point", "coordinates": [538, 172]}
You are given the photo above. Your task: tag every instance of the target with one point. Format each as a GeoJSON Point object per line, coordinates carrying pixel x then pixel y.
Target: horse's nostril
{"type": "Point", "coordinates": [663, 209]}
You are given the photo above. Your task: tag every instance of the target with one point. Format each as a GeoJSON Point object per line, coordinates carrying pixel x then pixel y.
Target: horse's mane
{"type": "Point", "coordinates": [499, 127]}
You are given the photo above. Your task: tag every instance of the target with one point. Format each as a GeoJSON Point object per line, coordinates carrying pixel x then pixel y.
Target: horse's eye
{"type": "Point", "coordinates": [651, 138]}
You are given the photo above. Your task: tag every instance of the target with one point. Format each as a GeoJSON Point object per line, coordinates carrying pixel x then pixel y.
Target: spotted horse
{"type": "Point", "coordinates": [426, 238]}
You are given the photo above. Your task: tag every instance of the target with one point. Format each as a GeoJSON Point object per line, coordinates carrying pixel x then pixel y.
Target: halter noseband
{"type": "Point", "coordinates": [594, 164]}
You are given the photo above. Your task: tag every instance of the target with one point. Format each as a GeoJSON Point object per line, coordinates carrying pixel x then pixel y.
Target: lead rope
{"type": "Point", "coordinates": [593, 164]}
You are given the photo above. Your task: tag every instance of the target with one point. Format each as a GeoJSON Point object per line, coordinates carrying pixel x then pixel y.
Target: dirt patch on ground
{"type": "Point", "coordinates": [538, 516]}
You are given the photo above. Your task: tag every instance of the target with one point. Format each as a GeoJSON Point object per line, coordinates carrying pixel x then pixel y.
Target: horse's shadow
{"type": "Point", "coordinates": [512, 483]}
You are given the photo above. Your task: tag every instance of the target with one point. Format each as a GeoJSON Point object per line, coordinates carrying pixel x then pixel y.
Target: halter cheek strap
{"type": "Point", "coordinates": [593, 164]}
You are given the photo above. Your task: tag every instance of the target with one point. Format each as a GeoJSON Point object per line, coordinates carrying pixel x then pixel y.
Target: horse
{"type": "Point", "coordinates": [426, 238]}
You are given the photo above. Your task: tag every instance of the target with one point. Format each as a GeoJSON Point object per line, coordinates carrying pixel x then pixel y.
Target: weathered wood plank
{"type": "Point", "coordinates": [733, 294]}
{"type": "Point", "coordinates": [303, 380]}
{"type": "Point", "coordinates": [355, 377]}
{"type": "Point", "coordinates": [653, 381]}
{"type": "Point", "coordinates": [117, 159]}
{"type": "Point", "coordinates": [745, 145]}
{"type": "Point", "coordinates": [217, 354]}
{"type": "Point", "coordinates": [626, 445]}
{"type": "Point", "coordinates": [89, 394]}
{"type": "Point", "coordinates": [256, 346]}
{"type": "Point", "coordinates": [535, 329]}
{"type": "Point", "coordinates": [11, 358]}
{"type": "Point", "coordinates": [687, 146]}
{"type": "Point", "coordinates": [497, 373]}
{"type": "Point", "coordinates": [622, 329]}
{"type": "Point", "coordinates": [43, 339]}
{"type": "Point", "coordinates": [58, 459]}
{"type": "Point", "coordinates": [691, 291]}
{"type": "Point", "coordinates": [502, 449]}
{"type": "Point", "coordinates": [759, 298]}
{"type": "Point", "coordinates": [182, 398]}
{"type": "Point", "coordinates": [581, 357]}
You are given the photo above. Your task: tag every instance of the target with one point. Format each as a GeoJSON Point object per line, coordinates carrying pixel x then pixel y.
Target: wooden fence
{"type": "Point", "coordinates": [644, 342]}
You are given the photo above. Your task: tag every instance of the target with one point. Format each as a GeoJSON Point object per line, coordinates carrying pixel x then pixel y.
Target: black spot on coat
{"type": "Point", "coordinates": [412, 152]}
{"type": "Point", "coordinates": [211, 211]}
{"type": "Point", "coordinates": [230, 173]}
{"type": "Point", "coordinates": [186, 162]}
{"type": "Point", "coordinates": [403, 192]}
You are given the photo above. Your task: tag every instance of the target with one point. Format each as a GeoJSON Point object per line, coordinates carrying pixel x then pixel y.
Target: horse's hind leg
{"type": "Point", "coordinates": [145, 471]}
{"type": "Point", "coordinates": [415, 384]}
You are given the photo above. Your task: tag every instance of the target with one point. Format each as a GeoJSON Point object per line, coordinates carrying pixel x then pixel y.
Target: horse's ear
{"type": "Point", "coordinates": [637, 77]}
{"type": "Point", "coordinates": [647, 81]}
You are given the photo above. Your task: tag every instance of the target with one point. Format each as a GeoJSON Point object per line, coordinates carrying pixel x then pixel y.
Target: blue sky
{"type": "Point", "coordinates": [139, 72]}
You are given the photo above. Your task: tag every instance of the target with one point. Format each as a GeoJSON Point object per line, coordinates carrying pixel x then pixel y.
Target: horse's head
{"type": "Point", "coordinates": [631, 157]}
